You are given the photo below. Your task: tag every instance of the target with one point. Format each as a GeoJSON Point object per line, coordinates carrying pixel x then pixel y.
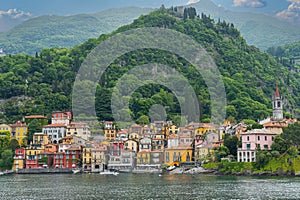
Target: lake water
{"type": "Point", "coordinates": [146, 186]}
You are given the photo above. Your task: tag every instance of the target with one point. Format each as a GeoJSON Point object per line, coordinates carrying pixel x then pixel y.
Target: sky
{"type": "Point", "coordinates": [14, 11]}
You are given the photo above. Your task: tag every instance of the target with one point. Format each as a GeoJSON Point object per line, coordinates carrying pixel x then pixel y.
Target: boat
{"type": "Point", "coordinates": [171, 168]}
{"type": "Point", "coordinates": [76, 171]}
{"type": "Point", "coordinates": [109, 173]}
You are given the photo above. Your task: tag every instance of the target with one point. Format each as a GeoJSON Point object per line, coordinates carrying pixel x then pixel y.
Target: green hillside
{"type": "Point", "coordinates": [249, 75]}
{"type": "Point", "coordinates": [259, 30]}
{"type": "Point", "coordinates": [64, 31]}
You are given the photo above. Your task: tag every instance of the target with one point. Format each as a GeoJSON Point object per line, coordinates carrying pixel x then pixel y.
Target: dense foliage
{"type": "Point", "coordinates": [43, 83]}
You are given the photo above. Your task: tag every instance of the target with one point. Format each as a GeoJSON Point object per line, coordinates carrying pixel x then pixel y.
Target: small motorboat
{"type": "Point", "coordinates": [171, 168]}
{"type": "Point", "coordinates": [109, 173]}
{"type": "Point", "coordinates": [76, 171]}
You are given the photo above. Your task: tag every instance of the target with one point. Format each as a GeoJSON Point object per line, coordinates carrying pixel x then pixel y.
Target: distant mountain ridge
{"type": "Point", "coordinates": [259, 30]}
{"type": "Point", "coordinates": [65, 31]}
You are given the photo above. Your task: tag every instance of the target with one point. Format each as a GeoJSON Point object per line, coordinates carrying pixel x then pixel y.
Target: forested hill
{"type": "Point", "coordinates": [65, 31]}
{"type": "Point", "coordinates": [249, 75]}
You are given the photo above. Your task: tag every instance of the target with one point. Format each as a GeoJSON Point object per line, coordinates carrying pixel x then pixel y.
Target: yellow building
{"type": "Point", "coordinates": [87, 157]}
{"type": "Point", "coordinates": [176, 155]}
{"type": "Point", "coordinates": [19, 132]}
{"type": "Point", "coordinates": [19, 159]}
{"type": "Point", "coordinates": [31, 153]}
{"type": "Point", "coordinates": [40, 140]}
{"type": "Point", "coordinates": [110, 132]}
{"type": "Point", "coordinates": [5, 127]}
{"type": "Point", "coordinates": [131, 144]}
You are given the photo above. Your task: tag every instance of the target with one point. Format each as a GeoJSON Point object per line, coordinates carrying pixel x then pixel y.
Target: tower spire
{"type": "Point", "coordinates": [277, 92]}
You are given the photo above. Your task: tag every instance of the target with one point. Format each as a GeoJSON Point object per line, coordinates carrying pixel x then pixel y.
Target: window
{"type": "Point", "coordinates": [248, 138]}
{"type": "Point", "coordinates": [258, 146]}
{"type": "Point", "coordinates": [188, 158]}
{"type": "Point", "coordinates": [272, 138]}
{"type": "Point", "coordinates": [266, 146]}
{"type": "Point", "coordinates": [179, 157]}
{"type": "Point", "coordinates": [266, 138]}
{"type": "Point", "coordinates": [258, 138]}
{"type": "Point", "coordinates": [174, 157]}
{"type": "Point", "coordinates": [278, 104]}
{"type": "Point", "coordinates": [167, 156]}
{"type": "Point", "coordinates": [248, 146]}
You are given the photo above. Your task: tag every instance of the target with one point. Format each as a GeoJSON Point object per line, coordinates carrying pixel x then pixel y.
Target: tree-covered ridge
{"type": "Point", "coordinates": [249, 75]}
{"type": "Point", "coordinates": [65, 31]}
{"type": "Point", "coordinates": [290, 51]}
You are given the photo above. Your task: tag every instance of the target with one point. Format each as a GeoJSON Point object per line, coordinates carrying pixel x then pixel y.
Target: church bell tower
{"type": "Point", "coordinates": [277, 106]}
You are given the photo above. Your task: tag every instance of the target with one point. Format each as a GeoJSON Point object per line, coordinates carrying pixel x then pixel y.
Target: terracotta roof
{"type": "Point", "coordinates": [136, 126]}
{"type": "Point", "coordinates": [277, 92]}
{"type": "Point", "coordinates": [55, 125]}
{"type": "Point", "coordinates": [18, 124]}
{"type": "Point", "coordinates": [108, 122]}
{"type": "Point", "coordinates": [276, 124]}
{"type": "Point", "coordinates": [73, 149]}
{"type": "Point", "coordinates": [35, 117]}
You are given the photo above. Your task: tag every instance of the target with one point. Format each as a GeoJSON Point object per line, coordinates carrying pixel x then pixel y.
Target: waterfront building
{"type": "Point", "coordinates": [254, 140]}
{"type": "Point", "coordinates": [19, 159]}
{"type": "Point", "coordinates": [87, 157]}
{"type": "Point", "coordinates": [99, 158]}
{"type": "Point", "coordinates": [73, 157]}
{"type": "Point", "coordinates": [149, 160]}
{"type": "Point", "coordinates": [125, 161]}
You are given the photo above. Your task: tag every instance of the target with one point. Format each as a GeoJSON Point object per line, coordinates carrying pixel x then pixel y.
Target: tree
{"type": "Point", "coordinates": [13, 144]}
{"type": "Point", "coordinates": [291, 134]}
{"type": "Point", "coordinates": [221, 152]}
{"type": "Point", "coordinates": [35, 126]}
{"type": "Point", "coordinates": [143, 120]}
{"type": "Point", "coordinates": [280, 145]}
{"type": "Point", "coordinates": [6, 160]}
{"type": "Point", "coordinates": [231, 142]}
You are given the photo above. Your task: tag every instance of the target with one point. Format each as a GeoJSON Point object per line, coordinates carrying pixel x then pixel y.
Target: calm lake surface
{"type": "Point", "coordinates": [146, 186]}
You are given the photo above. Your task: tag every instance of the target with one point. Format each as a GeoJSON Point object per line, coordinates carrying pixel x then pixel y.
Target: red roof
{"type": "Point", "coordinates": [35, 117]}
{"type": "Point", "coordinates": [277, 91]}
{"type": "Point", "coordinates": [54, 125]}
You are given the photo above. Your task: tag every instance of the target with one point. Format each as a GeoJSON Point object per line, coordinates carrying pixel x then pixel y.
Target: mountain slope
{"type": "Point", "coordinates": [249, 75]}
{"type": "Point", "coordinates": [64, 31]}
{"type": "Point", "coordinates": [259, 30]}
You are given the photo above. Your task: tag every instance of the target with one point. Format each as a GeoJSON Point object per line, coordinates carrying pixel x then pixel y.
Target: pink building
{"type": "Point", "coordinates": [254, 140]}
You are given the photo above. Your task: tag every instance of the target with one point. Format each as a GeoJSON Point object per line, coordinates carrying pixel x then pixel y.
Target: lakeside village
{"type": "Point", "coordinates": [66, 145]}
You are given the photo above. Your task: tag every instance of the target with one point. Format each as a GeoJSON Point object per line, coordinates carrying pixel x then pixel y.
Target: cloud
{"type": "Point", "coordinates": [292, 13]}
{"type": "Point", "coordinates": [14, 14]}
{"type": "Point", "coordinates": [193, 1]}
{"type": "Point", "coordinates": [249, 3]}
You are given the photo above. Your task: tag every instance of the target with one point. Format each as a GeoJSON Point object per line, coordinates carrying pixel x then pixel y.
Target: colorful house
{"type": "Point", "coordinates": [55, 132]}
{"type": "Point", "coordinates": [73, 157]}
{"type": "Point", "coordinates": [59, 117]}
{"type": "Point", "coordinates": [19, 132]}
{"type": "Point", "coordinates": [79, 129]}
{"type": "Point", "coordinates": [110, 132]}
{"type": "Point", "coordinates": [99, 158]}
{"type": "Point", "coordinates": [40, 140]}
{"type": "Point", "coordinates": [19, 159]}
{"type": "Point", "coordinates": [4, 128]}
{"type": "Point", "coordinates": [254, 140]}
